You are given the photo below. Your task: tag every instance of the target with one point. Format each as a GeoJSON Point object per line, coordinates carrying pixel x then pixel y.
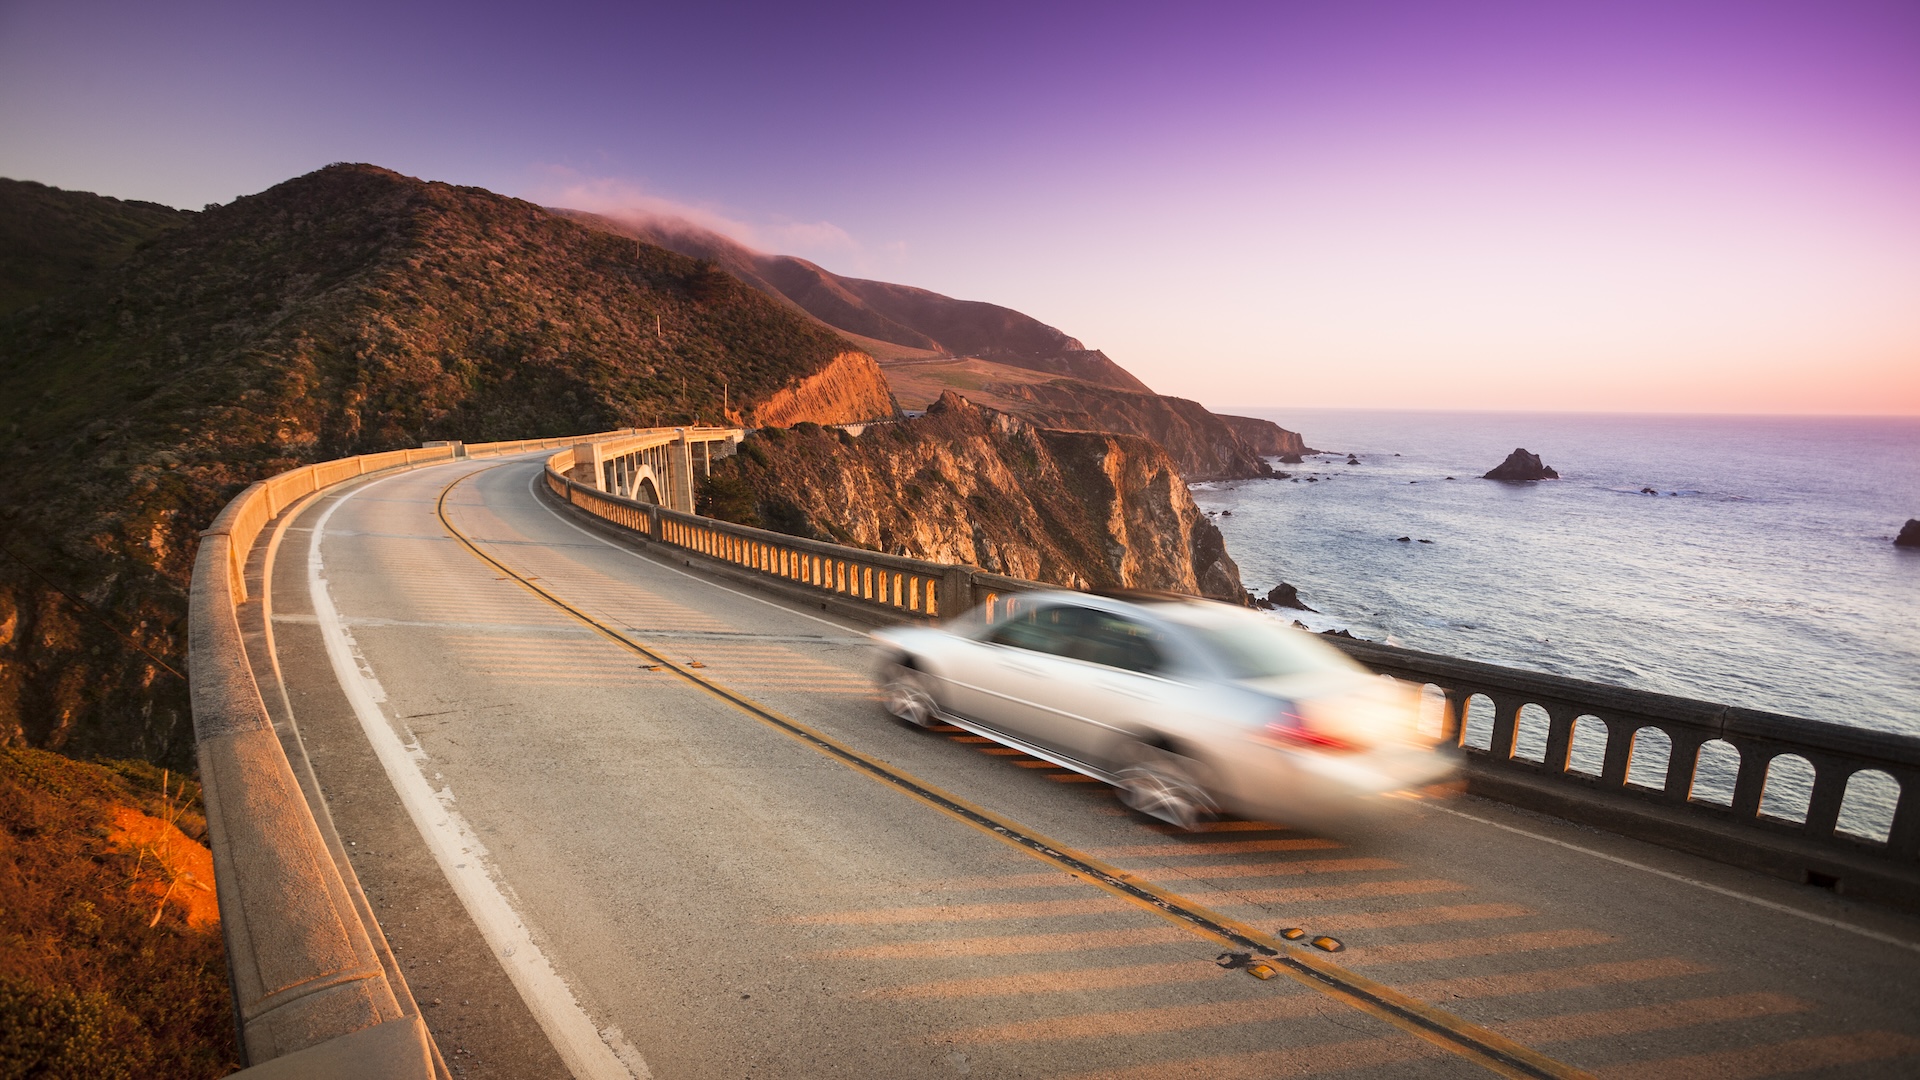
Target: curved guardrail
{"type": "Point", "coordinates": [1577, 723]}
{"type": "Point", "coordinates": [311, 993]}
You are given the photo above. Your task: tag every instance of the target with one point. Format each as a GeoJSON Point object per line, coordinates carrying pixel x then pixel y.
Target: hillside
{"type": "Point", "coordinates": [994, 355]}
{"type": "Point", "coordinates": [971, 485]}
{"type": "Point", "coordinates": [1203, 445]}
{"type": "Point", "coordinates": [349, 310]}
{"type": "Point", "coordinates": [112, 965]}
{"type": "Point", "coordinates": [920, 323]}
{"type": "Point", "coordinates": [52, 241]}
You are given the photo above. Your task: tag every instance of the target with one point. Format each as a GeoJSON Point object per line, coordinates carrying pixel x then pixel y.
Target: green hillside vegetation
{"type": "Point", "coordinates": [346, 311]}
{"type": "Point", "coordinates": [52, 241]}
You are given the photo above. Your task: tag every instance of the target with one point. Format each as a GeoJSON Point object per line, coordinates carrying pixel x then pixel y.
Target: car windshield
{"type": "Point", "coordinates": [1257, 647]}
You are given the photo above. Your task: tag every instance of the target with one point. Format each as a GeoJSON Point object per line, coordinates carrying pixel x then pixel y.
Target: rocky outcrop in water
{"type": "Point", "coordinates": [1521, 466]}
{"type": "Point", "coordinates": [965, 484]}
{"type": "Point", "coordinates": [1909, 535]}
{"type": "Point", "coordinates": [1284, 595]}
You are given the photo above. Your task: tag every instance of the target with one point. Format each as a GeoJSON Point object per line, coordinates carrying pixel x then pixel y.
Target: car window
{"type": "Point", "coordinates": [1046, 629]}
{"type": "Point", "coordinates": [1257, 649]}
{"type": "Point", "coordinates": [1098, 637]}
{"type": "Point", "coordinates": [1119, 642]}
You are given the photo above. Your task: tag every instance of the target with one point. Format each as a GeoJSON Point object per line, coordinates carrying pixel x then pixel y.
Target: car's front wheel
{"type": "Point", "coordinates": [908, 697]}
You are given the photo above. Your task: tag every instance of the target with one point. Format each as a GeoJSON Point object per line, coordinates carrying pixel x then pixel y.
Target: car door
{"type": "Point", "coordinates": [1111, 681]}
{"type": "Point", "coordinates": [1005, 670]}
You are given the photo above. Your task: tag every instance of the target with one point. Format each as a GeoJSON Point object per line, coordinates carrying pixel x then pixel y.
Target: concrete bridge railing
{"type": "Point", "coordinates": [316, 992]}
{"type": "Point", "coordinates": [1756, 789]}
{"type": "Point", "coordinates": [1804, 799]}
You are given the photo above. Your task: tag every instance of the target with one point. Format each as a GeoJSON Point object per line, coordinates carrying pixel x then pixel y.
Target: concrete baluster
{"type": "Point", "coordinates": [1560, 719]}
{"type": "Point", "coordinates": [956, 591]}
{"type": "Point", "coordinates": [1613, 766]}
{"type": "Point", "coordinates": [1453, 724]}
{"type": "Point", "coordinates": [1830, 776]}
{"type": "Point", "coordinates": [1680, 767]}
{"type": "Point", "coordinates": [1506, 720]}
{"type": "Point", "coordinates": [1903, 837]}
{"type": "Point", "coordinates": [1751, 779]}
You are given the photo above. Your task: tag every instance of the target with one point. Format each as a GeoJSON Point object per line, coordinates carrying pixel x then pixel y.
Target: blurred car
{"type": "Point", "coordinates": [1190, 708]}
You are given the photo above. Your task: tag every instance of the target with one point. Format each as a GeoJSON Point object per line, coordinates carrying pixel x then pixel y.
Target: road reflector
{"type": "Point", "coordinates": [1261, 971]}
{"type": "Point", "coordinates": [1293, 933]}
{"type": "Point", "coordinates": [1327, 944]}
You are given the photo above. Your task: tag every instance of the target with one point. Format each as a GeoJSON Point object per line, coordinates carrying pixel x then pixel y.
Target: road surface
{"type": "Point", "coordinates": [617, 818]}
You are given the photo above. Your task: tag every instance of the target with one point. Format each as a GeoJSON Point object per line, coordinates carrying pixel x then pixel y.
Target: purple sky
{"type": "Point", "coordinates": [1648, 207]}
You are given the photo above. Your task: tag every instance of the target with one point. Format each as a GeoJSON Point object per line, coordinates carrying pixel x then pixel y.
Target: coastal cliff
{"type": "Point", "coordinates": [848, 390]}
{"type": "Point", "coordinates": [971, 485]}
{"type": "Point", "coordinates": [1203, 445]}
{"type": "Point", "coordinates": [1267, 438]}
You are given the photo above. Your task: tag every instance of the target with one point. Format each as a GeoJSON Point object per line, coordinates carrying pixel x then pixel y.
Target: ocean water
{"type": "Point", "coordinates": [1761, 574]}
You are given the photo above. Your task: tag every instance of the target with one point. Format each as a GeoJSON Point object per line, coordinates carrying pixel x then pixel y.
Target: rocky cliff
{"type": "Point", "coordinates": [349, 310]}
{"type": "Point", "coordinates": [848, 390]}
{"type": "Point", "coordinates": [1203, 446]}
{"type": "Point", "coordinates": [1267, 438]}
{"type": "Point", "coordinates": [972, 485]}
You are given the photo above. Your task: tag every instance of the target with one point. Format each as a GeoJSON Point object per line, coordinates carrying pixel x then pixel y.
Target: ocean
{"type": "Point", "coordinates": [1760, 572]}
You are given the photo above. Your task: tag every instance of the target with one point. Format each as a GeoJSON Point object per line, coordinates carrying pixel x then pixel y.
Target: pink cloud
{"type": "Point", "coordinates": [561, 186]}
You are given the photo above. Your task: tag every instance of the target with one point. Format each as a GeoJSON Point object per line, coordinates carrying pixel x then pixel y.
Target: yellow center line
{"type": "Point", "coordinates": [1442, 1029]}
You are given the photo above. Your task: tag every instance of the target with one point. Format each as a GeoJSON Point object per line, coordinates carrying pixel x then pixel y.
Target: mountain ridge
{"type": "Point", "coordinates": [915, 319]}
{"type": "Point", "coordinates": [345, 311]}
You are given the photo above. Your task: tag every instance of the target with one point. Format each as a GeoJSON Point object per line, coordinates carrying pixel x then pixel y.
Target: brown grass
{"type": "Point", "coordinates": [111, 962]}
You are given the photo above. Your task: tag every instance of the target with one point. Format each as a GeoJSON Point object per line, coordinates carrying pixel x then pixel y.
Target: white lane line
{"type": "Point", "coordinates": [1771, 905]}
{"type": "Point", "coordinates": [561, 518]}
{"type": "Point", "coordinates": [461, 855]}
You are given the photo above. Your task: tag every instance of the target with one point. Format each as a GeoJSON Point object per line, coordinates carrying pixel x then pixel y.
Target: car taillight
{"type": "Point", "coordinates": [1292, 729]}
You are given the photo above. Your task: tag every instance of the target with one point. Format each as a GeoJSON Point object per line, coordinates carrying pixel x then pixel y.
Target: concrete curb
{"type": "Point", "coordinates": [306, 960]}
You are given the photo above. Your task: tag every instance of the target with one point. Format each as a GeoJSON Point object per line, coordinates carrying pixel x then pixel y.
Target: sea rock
{"type": "Point", "coordinates": [1291, 459]}
{"type": "Point", "coordinates": [1909, 535]}
{"type": "Point", "coordinates": [1403, 539]}
{"type": "Point", "coordinates": [1521, 466]}
{"type": "Point", "coordinates": [1286, 596]}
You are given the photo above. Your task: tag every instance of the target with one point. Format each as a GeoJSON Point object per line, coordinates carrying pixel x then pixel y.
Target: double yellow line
{"type": "Point", "coordinates": [1436, 1026]}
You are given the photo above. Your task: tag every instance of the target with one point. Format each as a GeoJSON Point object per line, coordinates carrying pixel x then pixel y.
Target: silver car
{"type": "Point", "coordinates": [1190, 708]}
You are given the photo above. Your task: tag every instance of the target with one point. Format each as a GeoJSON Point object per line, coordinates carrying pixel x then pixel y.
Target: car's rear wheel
{"type": "Point", "coordinates": [907, 696]}
{"type": "Point", "coordinates": [1165, 785]}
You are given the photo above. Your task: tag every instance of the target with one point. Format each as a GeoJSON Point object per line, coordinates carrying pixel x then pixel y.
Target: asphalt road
{"type": "Point", "coordinates": [589, 863]}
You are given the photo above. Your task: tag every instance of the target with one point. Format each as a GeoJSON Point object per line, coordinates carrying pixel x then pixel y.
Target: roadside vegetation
{"type": "Point", "coordinates": [111, 964]}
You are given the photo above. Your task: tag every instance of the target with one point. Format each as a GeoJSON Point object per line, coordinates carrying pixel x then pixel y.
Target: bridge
{"type": "Point", "coordinates": [516, 767]}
